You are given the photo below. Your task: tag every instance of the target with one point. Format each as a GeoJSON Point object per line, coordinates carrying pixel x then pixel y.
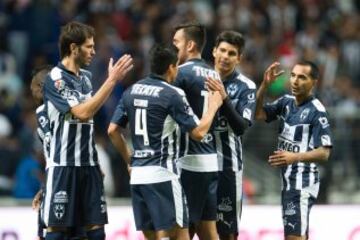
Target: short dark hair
{"type": "Point", "coordinates": [161, 57]}
{"type": "Point", "coordinates": [314, 70]}
{"type": "Point", "coordinates": [38, 76]}
{"type": "Point", "coordinates": [73, 32]}
{"type": "Point", "coordinates": [232, 37]}
{"type": "Point", "coordinates": [194, 31]}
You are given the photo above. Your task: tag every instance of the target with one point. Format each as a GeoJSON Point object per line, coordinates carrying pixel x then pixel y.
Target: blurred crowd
{"type": "Point", "coordinates": [324, 31]}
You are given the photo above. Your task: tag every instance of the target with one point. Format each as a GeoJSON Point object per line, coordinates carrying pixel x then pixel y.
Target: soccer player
{"type": "Point", "coordinates": [199, 163]}
{"type": "Point", "coordinates": [43, 131]}
{"type": "Point", "coordinates": [235, 116]}
{"type": "Point", "coordinates": [154, 110]}
{"type": "Point", "coordinates": [74, 191]}
{"type": "Point", "coordinates": [304, 139]}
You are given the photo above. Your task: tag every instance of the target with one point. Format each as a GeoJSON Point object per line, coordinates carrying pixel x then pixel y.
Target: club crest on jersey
{"type": "Point", "coordinates": [304, 114]}
{"type": "Point", "coordinates": [225, 205]}
{"type": "Point", "coordinates": [232, 89]}
{"type": "Point", "coordinates": [290, 209]}
{"type": "Point", "coordinates": [59, 211]}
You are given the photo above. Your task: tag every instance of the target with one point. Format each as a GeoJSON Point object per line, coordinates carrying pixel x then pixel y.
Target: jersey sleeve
{"type": "Point", "coordinates": [60, 94]}
{"type": "Point", "coordinates": [43, 123]}
{"type": "Point", "coordinates": [321, 132]}
{"type": "Point", "coordinates": [120, 116]}
{"type": "Point", "coordinates": [246, 104]}
{"type": "Point", "coordinates": [182, 113]}
{"type": "Point", "coordinates": [274, 109]}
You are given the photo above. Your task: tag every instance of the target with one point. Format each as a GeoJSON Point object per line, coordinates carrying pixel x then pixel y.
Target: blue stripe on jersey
{"type": "Point", "coordinates": [70, 153]}
{"type": "Point", "coordinates": [165, 152]}
{"type": "Point", "coordinates": [175, 155]}
{"type": "Point", "coordinates": [306, 176]}
{"type": "Point", "coordinates": [238, 149]}
{"type": "Point", "coordinates": [85, 130]}
{"type": "Point", "coordinates": [226, 150]}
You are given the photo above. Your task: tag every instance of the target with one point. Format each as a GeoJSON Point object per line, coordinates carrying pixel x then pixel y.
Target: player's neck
{"type": "Point", "coordinates": [223, 74]}
{"type": "Point", "coordinates": [299, 100]}
{"type": "Point", "coordinates": [71, 65]}
{"type": "Point", "coordinates": [193, 55]}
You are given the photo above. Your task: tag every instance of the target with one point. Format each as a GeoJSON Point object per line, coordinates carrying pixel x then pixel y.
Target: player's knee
{"type": "Point", "coordinates": [96, 234]}
{"type": "Point", "coordinates": [55, 236]}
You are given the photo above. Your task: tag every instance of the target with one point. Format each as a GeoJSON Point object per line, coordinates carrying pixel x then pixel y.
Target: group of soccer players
{"type": "Point", "coordinates": [186, 121]}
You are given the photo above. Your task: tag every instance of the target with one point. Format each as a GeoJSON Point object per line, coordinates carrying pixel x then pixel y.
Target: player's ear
{"type": "Point", "coordinates": [214, 52]}
{"type": "Point", "coordinates": [74, 48]}
{"type": "Point", "coordinates": [191, 46]}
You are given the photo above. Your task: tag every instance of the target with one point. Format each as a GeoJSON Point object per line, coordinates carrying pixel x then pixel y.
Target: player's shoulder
{"type": "Point", "coordinates": [173, 89]}
{"type": "Point", "coordinates": [318, 105]}
{"type": "Point", "coordinates": [186, 65]}
{"type": "Point", "coordinates": [242, 79]}
{"type": "Point", "coordinates": [86, 73]}
{"type": "Point", "coordinates": [55, 73]}
{"type": "Point", "coordinates": [40, 108]}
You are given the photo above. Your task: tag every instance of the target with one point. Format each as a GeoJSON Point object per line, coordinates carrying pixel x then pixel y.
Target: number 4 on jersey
{"type": "Point", "coordinates": [141, 125]}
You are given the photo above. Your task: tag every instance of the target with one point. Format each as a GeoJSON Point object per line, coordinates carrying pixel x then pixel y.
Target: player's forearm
{"type": "Point", "coordinates": [260, 113]}
{"type": "Point", "coordinates": [235, 120]}
{"type": "Point", "coordinates": [201, 130]}
{"type": "Point", "coordinates": [88, 109]}
{"type": "Point", "coordinates": [320, 154]}
{"type": "Point", "coordinates": [119, 142]}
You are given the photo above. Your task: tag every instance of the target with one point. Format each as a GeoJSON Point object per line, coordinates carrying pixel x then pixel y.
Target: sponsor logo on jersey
{"type": "Point", "coordinates": [288, 146]}
{"type": "Point", "coordinates": [205, 72]}
{"type": "Point", "coordinates": [324, 122]}
{"type": "Point", "coordinates": [146, 90]}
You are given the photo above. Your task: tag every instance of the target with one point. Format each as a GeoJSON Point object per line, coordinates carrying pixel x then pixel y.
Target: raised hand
{"type": "Point", "coordinates": [271, 74]}
{"type": "Point", "coordinates": [119, 70]}
{"type": "Point", "coordinates": [216, 85]}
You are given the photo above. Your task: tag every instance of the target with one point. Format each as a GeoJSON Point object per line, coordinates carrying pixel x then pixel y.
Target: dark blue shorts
{"type": "Point", "coordinates": [74, 196]}
{"type": "Point", "coordinates": [296, 206]}
{"type": "Point", "coordinates": [159, 206]}
{"type": "Point", "coordinates": [229, 202]}
{"type": "Point", "coordinates": [201, 194]}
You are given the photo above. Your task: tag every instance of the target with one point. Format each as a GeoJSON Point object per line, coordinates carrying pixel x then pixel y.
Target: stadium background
{"type": "Point", "coordinates": [324, 31]}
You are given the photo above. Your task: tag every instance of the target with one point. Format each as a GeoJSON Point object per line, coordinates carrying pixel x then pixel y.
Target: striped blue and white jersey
{"type": "Point", "coordinates": [302, 128]}
{"type": "Point", "coordinates": [43, 129]}
{"type": "Point", "coordinates": [154, 110]}
{"type": "Point", "coordinates": [241, 91]}
{"type": "Point", "coordinates": [72, 142]}
{"type": "Point", "coordinates": [197, 156]}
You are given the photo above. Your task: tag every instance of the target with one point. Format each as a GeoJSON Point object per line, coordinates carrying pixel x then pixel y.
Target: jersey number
{"type": "Point", "coordinates": [141, 125]}
{"type": "Point", "coordinates": [205, 94]}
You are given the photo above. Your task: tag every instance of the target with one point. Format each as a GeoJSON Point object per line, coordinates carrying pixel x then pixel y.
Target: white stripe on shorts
{"type": "Point", "coordinates": [178, 200]}
{"type": "Point", "coordinates": [48, 193]}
